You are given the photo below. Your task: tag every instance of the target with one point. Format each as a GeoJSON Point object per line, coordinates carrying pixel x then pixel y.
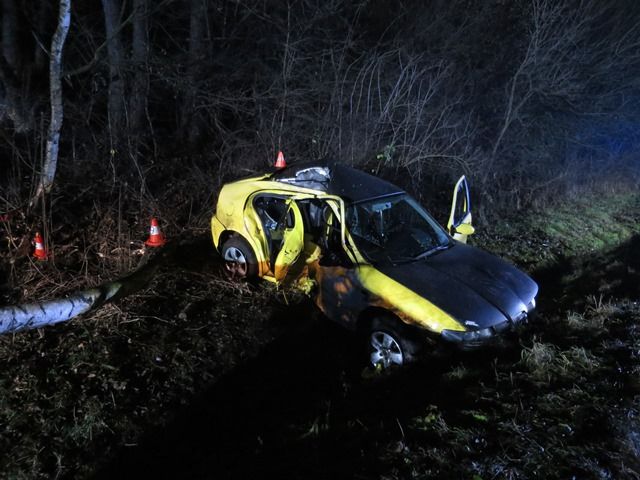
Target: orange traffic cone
{"type": "Point", "coordinates": [40, 253]}
{"type": "Point", "coordinates": [280, 163]}
{"type": "Point", "coordinates": [156, 239]}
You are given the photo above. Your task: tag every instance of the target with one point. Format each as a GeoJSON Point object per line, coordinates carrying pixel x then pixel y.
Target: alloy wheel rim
{"type": "Point", "coordinates": [385, 350]}
{"type": "Point", "coordinates": [235, 263]}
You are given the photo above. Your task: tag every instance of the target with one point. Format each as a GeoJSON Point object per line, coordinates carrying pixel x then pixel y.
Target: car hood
{"type": "Point", "coordinates": [478, 289]}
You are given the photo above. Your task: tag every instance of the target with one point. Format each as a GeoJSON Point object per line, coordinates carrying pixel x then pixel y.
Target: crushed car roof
{"type": "Point", "coordinates": [336, 179]}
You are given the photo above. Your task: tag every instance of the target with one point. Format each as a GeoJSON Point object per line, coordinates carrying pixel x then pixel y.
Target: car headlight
{"type": "Point", "coordinates": [532, 304]}
{"type": "Point", "coordinates": [469, 336]}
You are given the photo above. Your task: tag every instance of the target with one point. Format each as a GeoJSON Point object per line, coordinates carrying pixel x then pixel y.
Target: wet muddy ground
{"type": "Point", "coordinates": [199, 378]}
{"type": "Point", "coordinates": [559, 401]}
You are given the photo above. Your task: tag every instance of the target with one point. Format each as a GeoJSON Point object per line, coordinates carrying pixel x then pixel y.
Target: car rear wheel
{"type": "Point", "coordinates": [390, 344]}
{"type": "Point", "coordinates": [239, 259]}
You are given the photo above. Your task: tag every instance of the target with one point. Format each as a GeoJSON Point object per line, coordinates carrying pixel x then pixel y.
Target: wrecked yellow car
{"type": "Point", "coordinates": [373, 259]}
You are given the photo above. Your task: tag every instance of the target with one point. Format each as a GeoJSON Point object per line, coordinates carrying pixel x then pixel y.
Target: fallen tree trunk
{"type": "Point", "coordinates": [38, 314]}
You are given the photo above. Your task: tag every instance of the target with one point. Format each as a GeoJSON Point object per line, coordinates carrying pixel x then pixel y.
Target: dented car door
{"type": "Point", "coordinates": [292, 242]}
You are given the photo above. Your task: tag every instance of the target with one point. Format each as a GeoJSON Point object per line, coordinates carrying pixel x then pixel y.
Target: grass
{"type": "Point", "coordinates": [546, 363]}
{"type": "Point", "coordinates": [575, 228]}
{"type": "Point", "coordinates": [589, 225]}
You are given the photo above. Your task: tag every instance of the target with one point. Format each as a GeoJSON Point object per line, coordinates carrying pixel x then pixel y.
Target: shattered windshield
{"type": "Point", "coordinates": [316, 178]}
{"type": "Point", "coordinates": [394, 229]}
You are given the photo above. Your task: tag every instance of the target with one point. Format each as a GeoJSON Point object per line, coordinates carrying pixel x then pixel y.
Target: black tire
{"type": "Point", "coordinates": [390, 343]}
{"type": "Point", "coordinates": [239, 259]}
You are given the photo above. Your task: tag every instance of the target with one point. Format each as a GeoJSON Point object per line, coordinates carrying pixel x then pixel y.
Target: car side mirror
{"type": "Point", "coordinates": [464, 229]}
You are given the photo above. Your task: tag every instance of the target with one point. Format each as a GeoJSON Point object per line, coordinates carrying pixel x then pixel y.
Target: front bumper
{"type": "Point", "coordinates": [471, 339]}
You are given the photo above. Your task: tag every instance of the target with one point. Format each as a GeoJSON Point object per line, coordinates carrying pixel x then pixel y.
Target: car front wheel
{"type": "Point", "coordinates": [389, 344]}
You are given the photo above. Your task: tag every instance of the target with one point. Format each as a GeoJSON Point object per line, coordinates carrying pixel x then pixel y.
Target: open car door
{"type": "Point", "coordinates": [459, 224]}
{"type": "Point", "coordinates": [292, 242]}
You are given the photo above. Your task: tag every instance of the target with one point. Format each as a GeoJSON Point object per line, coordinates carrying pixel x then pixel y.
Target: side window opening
{"type": "Point", "coordinates": [331, 239]}
{"type": "Point", "coordinates": [311, 210]}
{"type": "Point", "coordinates": [333, 231]}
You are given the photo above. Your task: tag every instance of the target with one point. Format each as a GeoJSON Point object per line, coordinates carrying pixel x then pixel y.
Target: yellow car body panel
{"type": "Point", "coordinates": [292, 244]}
{"type": "Point", "coordinates": [405, 303]}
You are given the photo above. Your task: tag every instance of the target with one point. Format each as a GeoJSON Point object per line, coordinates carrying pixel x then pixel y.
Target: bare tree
{"type": "Point", "coordinates": [42, 15]}
{"type": "Point", "coordinates": [190, 124]}
{"type": "Point", "coordinates": [560, 43]}
{"type": "Point", "coordinates": [400, 111]}
{"type": "Point", "coordinates": [139, 57]}
{"type": "Point", "coordinates": [9, 37]}
{"type": "Point", "coordinates": [116, 105]}
{"type": "Point", "coordinates": [55, 87]}
{"type": "Point", "coordinates": [14, 103]}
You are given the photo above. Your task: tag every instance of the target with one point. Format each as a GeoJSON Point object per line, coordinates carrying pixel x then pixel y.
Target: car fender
{"type": "Point", "coordinates": [345, 293]}
{"type": "Point", "coordinates": [410, 307]}
{"type": "Point", "coordinates": [221, 237]}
